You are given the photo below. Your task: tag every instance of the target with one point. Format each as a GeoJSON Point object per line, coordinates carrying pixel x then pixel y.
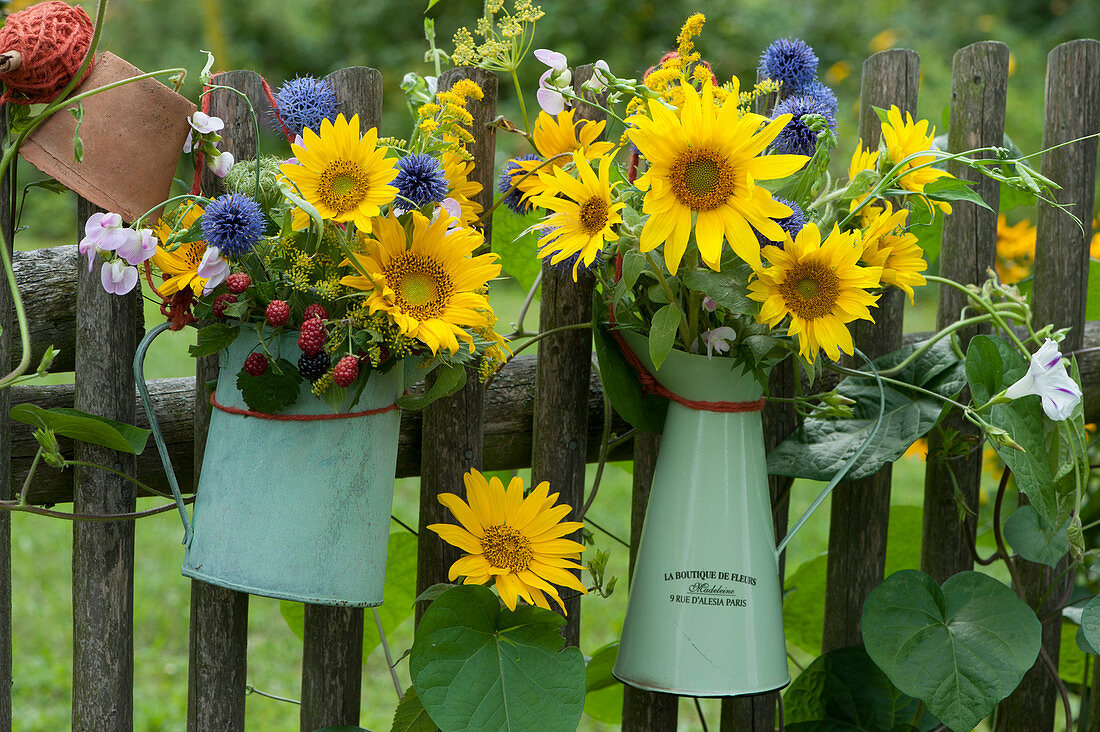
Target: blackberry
{"type": "Point", "coordinates": [346, 370]}
{"type": "Point", "coordinates": [312, 338]}
{"type": "Point", "coordinates": [220, 303]}
{"type": "Point", "coordinates": [313, 367]}
{"type": "Point", "coordinates": [255, 364]}
{"type": "Point", "coordinates": [277, 313]}
{"type": "Point", "coordinates": [314, 310]}
{"type": "Point", "coordinates": [237, 282]}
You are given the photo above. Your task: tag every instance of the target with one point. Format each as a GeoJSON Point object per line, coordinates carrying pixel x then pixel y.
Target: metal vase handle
{"type": "Point", "coordinates": [847, 464]}
{"type": "Point", "coordinates": [150, 412]}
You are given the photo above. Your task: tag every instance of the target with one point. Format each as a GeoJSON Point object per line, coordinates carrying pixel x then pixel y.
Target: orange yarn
{"type": "Point", "coordinates": [52, 38]}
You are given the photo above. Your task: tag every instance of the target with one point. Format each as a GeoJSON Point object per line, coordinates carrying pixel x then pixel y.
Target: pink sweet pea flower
{"type": "Point", "coordinates": [103, 231]}
{"type": "Point", "coordinates": [221, 164]}
{"type": "Point", "coordinates": [1047, 377]}
{"type": "Point", "coordinates": [555, 78]}
{"type": "Point", "coordinates": [141, 246]}
{"type": "Point", "coordinates": [204, 123]}
{"type": "Point", "coordinates": [118, 278]}
{"type": "Point", "coordinates": [717, 340]}
{"type": "Point", "coordinates": [212, 268]}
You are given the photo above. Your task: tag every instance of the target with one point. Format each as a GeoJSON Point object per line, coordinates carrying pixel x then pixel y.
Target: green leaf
{"type": "Point", "coordinates": [643, 411]}
{"type": "Point", "coordinates": [1090, 622]}
{"type": "Point", "coordinates": [1034, 540]}
{"type": "Point", "coordinates": [961, 649]}
{"type": "Point", "coordinates": [448, 379]}
{"type": "Point", "coordinates": [820, 447]}
{"type": "Point", "coordinates": [516, 246]}
{"type": "Point", "coordinates": [954, 189]}
{"type": "Point", "coordinates": [1071, 661]}
{"type": "Point", "coordinates": [85, 427]}
{"type": "Point", "coordinates": [478, 666]}
{"type": "Point", "coordinates": [844, 690]}
{"type": "Point", "coordinates": [410, 715]}
{"type": "Point", "coordinates": [603, 699]}
{"type": "Point", "coordinates": [662, 333]}
{"type": "Point", "coordinates": [727, 288]}
{"type": "Point", "coordinates": [272, 392]}
{"type": "Point", "coordinates": [633, 264]}
{"type": "Point", "coordinates": [991, 366]}
{"type": "Point", "coordinates": [881, 113]}
{"type": "Point", "coordinates": [214, 338]}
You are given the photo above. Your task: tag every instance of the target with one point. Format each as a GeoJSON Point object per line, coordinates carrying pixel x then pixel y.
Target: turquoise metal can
{"type": "Point", "coordinates": [296, 510]}
{"type": "Point", "coordinates": [704, 615]}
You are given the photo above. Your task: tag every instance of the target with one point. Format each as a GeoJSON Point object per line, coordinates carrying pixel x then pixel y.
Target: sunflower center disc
{"type": "Point", "coordinates": [421, 286]}
{"type": "Point", "coordinates": [418, 289]}
{"type": "Point", "coordinates": [506, 548]}
{"type": "Point", "coordinates": [594, 215]}
{"type": "Point", "coordinates": [811, 290]}
{"type": "Point", "coordinates": [701, 179]}
{"type": "Point", "coordinates": [342, 185]}
{"type": "Point", "coordinates": [701, 176]}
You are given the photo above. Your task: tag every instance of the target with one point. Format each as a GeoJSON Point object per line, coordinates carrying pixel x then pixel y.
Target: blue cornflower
{"type": "Point", "coordinates": [822, 94]}
{"type": "Point", "coordinates": [420, 179]}
{"type": "Point", "coordinates": [791, 224]}
{"type": "Point", "coordinates": [233, 223]}
{"type": "Point", "coordinates": [796, 138]}
{"type": "Point", "coordinates": [791, 61]}
{"type": "Point", "coordinates": [303, 102]}
{"type": "Point", "coordinates": [513, 197]}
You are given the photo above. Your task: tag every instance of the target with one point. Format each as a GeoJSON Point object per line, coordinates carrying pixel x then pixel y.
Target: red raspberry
{"type": "Point", "coordinates": [238, 282]}
{"type": "Point", "coordinates": [277, 313]}
{"type": "Point", "coordinates": [312, 337]}
{"type": "Point", "coordinates": [255, 364]}
{"type": "Point", "coordinates": [220, 303]}
{"type": "Point", "coordinates": [346, 370]}
{"type": "Point", "coordinates": [314, 310]}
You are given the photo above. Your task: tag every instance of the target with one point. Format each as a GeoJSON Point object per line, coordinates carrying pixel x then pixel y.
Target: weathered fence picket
{"type": "Point", "coordinates": [543, 412]}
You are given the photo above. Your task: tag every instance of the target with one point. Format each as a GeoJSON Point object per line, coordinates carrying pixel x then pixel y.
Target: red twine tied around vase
{"type": "Point", "coordinates": [298, 417]}
{"type": "Point", "coordinates": [52, 39]}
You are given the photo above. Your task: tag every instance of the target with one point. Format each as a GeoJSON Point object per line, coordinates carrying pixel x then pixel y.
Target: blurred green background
{"type": "Point", "coordinates": [280, 39]}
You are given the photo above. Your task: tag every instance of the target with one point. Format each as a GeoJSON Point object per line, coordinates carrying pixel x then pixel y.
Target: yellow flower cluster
{"type": "Point", "coordinates": [447, 119]}
{"type": "Point", "coordinates": [506, 37]}
{"type": "Point", "coordinates": [1015, 250]}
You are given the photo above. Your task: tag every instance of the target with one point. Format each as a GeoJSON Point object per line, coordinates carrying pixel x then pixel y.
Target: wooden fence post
{"type": "Point", "coordinates": [979, 88]}
{"type": "Point", "coordinates": [103, 552]}
{"type": "Point", "coordinates": [452, 427]}
{"type": "Point", "coordinates": [7, 324]}
{"type": "Point", "coordinates": [218, 637]}
{"type": "Point", "coordinates": [564, 368]}
{"type": "Point", "coordinates": [1060, 291]}
{"type": "Point", "coordinates": [861, 509]}
{"type": "Point", "coordinates": [645, 711]}
{"type": "Point", "coordinates": [332, 659]}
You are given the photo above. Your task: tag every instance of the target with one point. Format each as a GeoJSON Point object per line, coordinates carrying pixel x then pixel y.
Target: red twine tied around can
{"type": "Point", "coordinates": [298, 417]}
{"type": "Point", "coordinates": [52, 39]}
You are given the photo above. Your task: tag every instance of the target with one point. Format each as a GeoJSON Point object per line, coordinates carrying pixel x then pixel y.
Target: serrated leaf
{"type": "Point", "coordinates": [1035, 541]}
{"type": "Point", "coordinates": [214, 338]}
{"type": "Point", "coordinates": [411, 716]}
{"type": "Point", "coordinates": [272, 392]}
{"type": "Point", "coordinates": [662, 333]}
{"type": "Point", "coordinates": [727, 288]}
{"type": "Point", "coordinates": [478, 666]}
{"type": "Point", "coordinates": [85, 427]}
{"type": "Point", "coordinates": [448, 379]}
{"type": "Point", "coordinates": [961, 648]}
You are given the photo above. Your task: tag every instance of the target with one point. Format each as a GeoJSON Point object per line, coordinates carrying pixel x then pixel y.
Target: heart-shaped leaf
{"type": "Point", "coordinates": [961, 649]}
{"type": "Point", "coordinates": [478, 666]}
{"type": "Point", "coordinates": [84, 427]}
{"type": "Point", "coordinates": [1034, 540]}
{"type": "Point", "coordinates": [1090, 623]}
{"type": "Point", "coordinates": [843, 691]}
{"type": "Point", "coordinates": [410, 715]}
{"type": "Point", "coordinates": [603, 698]}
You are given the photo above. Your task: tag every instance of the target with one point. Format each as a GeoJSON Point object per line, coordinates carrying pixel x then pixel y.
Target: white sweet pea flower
{"type": "Point", "coordinates": [551, 83]}
{"type": "Point", "coordinates": [553, 59]}
{"type": "Point", "coordinates": [221, 164]}
{"type": "Point", "coordinates": [118, 278]}
{"type": "Point", "coordinates": [300, 143]}
{"type": "Point", "coordinates": [601, 74]}
{"type": "Point", "coordinates": [188, 143]}
{"type": "Point", "coordinates": [1047, 377]}
{"type": "Point", "coordinates": [717, 340]}
{"type": "Point", "coordinates": [204, 123]}
{"type": "Point", "coordinates": [142, 246]}
{"type": "Point", "coordinates": [212, 268]}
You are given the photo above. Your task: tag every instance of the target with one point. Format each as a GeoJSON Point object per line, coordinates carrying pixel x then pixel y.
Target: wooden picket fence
{"type": "Point", "coordinates": [543, 412]}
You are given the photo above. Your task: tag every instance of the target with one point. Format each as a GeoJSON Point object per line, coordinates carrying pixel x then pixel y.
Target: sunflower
{"type": "Point", "coordinates": [554, 136]}
{"type": "Point", "coordinates": [583, 214]}
{"type": "Point", "coordinates": [182, 263]}
{"type": "Point", "coordinates": [886, 244]}
{"type": "Point", "coordinates": [515, 540]}
{"type": "Point", "coordinates": [344, 176]}
{"type": "Point", "coordinates": [820, 285]}
{"type": "Point", "coordinates": [1015, 250]}
{"type": "Point", "coordinates": [704, 165]}
{"type": "Point", "coordinates": [429, 283]}
{"type": "Point", "coordinates": [462, 189]}
{"type": "Point", "coordinates": [903, 139]}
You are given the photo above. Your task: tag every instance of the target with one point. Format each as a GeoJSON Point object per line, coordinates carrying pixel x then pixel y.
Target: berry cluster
{"type": "Point", "coordinates": [312, 337]}
{"type": "Point", "coordinates": [346, 370]}
{"type": "Point", "coordinates": [277, 313]}
{"type": "Point", "coordinates": [237, 282]}
{"type": "Point", "coordinates": [255, 364]}
{"type": "Point", "coordinates": [220, 303]}
{"type": "Point", "coordinates": [313, 367]}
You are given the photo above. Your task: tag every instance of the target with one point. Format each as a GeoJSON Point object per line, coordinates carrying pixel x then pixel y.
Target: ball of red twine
{"type": "Point", "coordinates": [52, 39]}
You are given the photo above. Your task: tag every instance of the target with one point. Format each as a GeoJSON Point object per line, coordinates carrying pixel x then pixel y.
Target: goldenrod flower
{"type": "Point", "coordinates": [704, 165]}
{"type": "Point", "coordinates": [903, 139]}
{"type": "Point", "coordinates": [583, 214]}
{"type": "Point", "coordinates": [428, 284]}
{"type": "Point", "coordinates": [1015, 250]}
{"type": "Point", "coordinates": [554, 136]}
{"type": "Point", "coordinates": [886, 244]}
{"type": "Point", "coordinates": [513, 540]}
{"type": "Point", "coordinates": [181, 264]}
{"type": "Point", "coordinates": [820, 285]}
{"type": "Point", "coordinates": [344, 176]}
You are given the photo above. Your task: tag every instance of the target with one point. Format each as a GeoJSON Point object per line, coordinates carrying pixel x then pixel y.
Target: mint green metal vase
{"type": "Point", "coordinates": [705, 616]}
{"type": "Point", "coordinates": [297, 510]}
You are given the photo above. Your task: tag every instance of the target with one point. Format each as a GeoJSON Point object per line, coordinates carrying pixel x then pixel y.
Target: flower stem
{"type": "Point", "coordinates": [522, 106]}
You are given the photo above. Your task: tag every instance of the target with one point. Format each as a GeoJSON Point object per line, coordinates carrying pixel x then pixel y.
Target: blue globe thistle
{"type": "Point", "coordinates": [791, 224]}
{"type": "Point", "coordinates": [421, 180]}
{"type": "Point", "coordinates": [791, 61]}
{"type": "Point", "coordinates": [823, 95]}
{"type": "Point", "coordinates": [303, 102]}
{"type": "Point", "coordinates": [233, 223]}
{"type": "Point", "coordinates": [513, 197]}
{"type": "Point", "coordinates": [797, 138]}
